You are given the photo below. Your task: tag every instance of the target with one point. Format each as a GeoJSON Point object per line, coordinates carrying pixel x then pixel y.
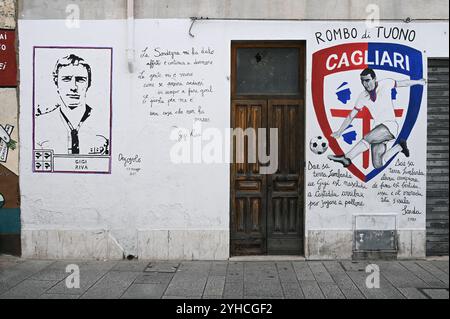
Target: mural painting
{"type": "Point", "coordinates": [367, 150]}
{"type": "Point", "coordinates": [72, 126]}
{"type": "Point", "coordinates": [8, 63]}
{"type": "Point", "coordinates": [9, 153]}
{"type": "Point", "coordinates": [384, 128]}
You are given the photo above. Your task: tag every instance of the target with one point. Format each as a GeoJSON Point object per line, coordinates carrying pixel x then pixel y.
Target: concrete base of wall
{"type": "Point", "coordinates": [329, 244]}
{"type": "Point", "coordinates": [190, 244]}
{"type": "Point", "coordinates": [338, 244]}
{"type": "Point", "coordinates": [70, 244]}
{"type": "Point", "coordinates": [151, 244]}
{"type": "Point", "coordinates": [411, 244]}
{"type": "Point", "coordinates": [184, 244]}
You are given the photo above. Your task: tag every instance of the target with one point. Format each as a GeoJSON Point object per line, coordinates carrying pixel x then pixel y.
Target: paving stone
{"type": "Point", "coordinates": [233, 290]}
{"type": "Point", "coordinates": [90, 273]}
{"type": "Point", "coordinates": [347, 287]}
{"type": "Point", "coordinates": [12, 276]}
{"type": "Point", "coordinates": [441, 264]}
{"type": "Point", "coordinates": [235, 272]}
{"type": "Point", "coordinates": [263, 288]}
{"type": "Point", "coordinates": [342, 280]}
{"type": "Point", "coordinates": [28, 289]}
{"type": "Point", "coordinates": [181, 297]}
{"type": "Point", "coordinates": [331, 290]}
{"type": "Point", "coordinates": [412, 293]}
{"type": "Point", "coordinates": [260, 272]}
{"type": "Point", "coordinates": [212, 297]}
{"type": "Point", "coordinates": [292, 290]}
{"type": "Point", "coordinates": [261, 266]}
{"type": "Point", "coordinates": [400, 276]}
{"type": "Point", "coordinates": [84, 264]}
{"type": "Point", "coordinates": [214, 286]}
{"type": "Point", "coordinates": [111, 286]}
{"type": "Point", "coordinates": [424, 275]}
{"type": "Point", "coordinates": [131, 265]}
{"type": "Point", "coordinates": [219, 268]}
{"type": "Point", "coordinates": [145, 291]}
{"type": "Point", "coordinates": [286, 272]}
{"type": "Point", "coordinates": [58, 296]}
{"type": "Point", "coordinates": [51, 274]}
{"type": "Point", "coordinates": [260, 297]}
{"type": "Point", "coordinates": [311, 290]}
{"type": "Point", "coordinates": [154, 278]}
{"type": "Point", "coordinates": [333, 267]}
{"type": "Point", "coordinates": [57, 270]}
{"type": "Point", "coordinates": [320, 273]}
{"type": "Point", "coordinates": [62, 264]}
{"type": "Point", "coordinates": [386, 290]}
{"type": "Point", "coordinates": [182, 285]}
{"type": "Point", "coordinates": [9, 261]}
{"type": "Point", "coordinates": [169, 267]}
{"type": "Point", "coordinates": [229, 280]}
{"type": "Point", "coordinates": [437, 293]}
{"type": "Point", "coordinates": [98, 265]}
{"type": "Point", "coordinates": [354, 265]}
{"type": "Point", "coordinates": [436, 272]}
{"type": "Point", "coordinates": [23, 270]}
{"type": "Point", "coordinates": [303, 271]}
{"type": "Point", "coordinates": [195, 267]}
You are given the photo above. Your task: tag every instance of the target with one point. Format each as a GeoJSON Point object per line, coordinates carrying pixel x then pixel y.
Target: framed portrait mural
{"type": "Point", "coordinates": [72, 109]}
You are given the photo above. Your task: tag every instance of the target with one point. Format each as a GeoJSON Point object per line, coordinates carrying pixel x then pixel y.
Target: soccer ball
{"type": "Point", "coordinates": [318, 145]}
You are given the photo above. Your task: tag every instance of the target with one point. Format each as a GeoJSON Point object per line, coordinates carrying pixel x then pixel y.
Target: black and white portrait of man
{"type": "Point", "coordinates": [72, 114]}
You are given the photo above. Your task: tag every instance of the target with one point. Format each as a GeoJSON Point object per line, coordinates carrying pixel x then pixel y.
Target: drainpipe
{"type": "Point", "coordinates": [130, 25]}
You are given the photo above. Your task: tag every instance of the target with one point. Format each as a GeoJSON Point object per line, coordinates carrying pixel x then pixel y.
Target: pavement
{"type": "Point", "coordinates": [234, 279]}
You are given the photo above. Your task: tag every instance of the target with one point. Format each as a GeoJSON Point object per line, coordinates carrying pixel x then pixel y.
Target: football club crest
{"type": "Point", "coordinates": [337, 85]}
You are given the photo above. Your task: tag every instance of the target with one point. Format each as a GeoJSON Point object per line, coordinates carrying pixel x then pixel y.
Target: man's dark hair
{"type": "Point", "coordinates": [367, 72]}
{"type": "Point", "coordinates": [71, 59]}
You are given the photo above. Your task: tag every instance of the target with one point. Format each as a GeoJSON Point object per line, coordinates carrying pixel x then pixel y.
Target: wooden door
{"type": "Point", "coordinates": [248, 186]}
{"type": "Point", "coordinates": [267, 91]}
{"type": "Point", "coordinates": [285, 186]}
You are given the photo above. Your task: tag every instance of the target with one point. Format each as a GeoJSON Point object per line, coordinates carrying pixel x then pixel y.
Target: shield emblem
{"type": "Point", "coordinates": [336, 86]}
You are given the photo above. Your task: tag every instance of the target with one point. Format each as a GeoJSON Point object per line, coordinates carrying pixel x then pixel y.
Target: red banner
{"type": "Point", "coordinates": [8, 64]}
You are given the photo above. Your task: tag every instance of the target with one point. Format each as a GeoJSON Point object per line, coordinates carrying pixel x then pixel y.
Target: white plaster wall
{"type": "Point", "coordinates": [166, 211]}
{"type": "Point", "coordinates": [237, 9]}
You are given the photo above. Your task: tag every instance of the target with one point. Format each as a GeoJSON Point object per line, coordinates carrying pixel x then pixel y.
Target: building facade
{"type": "Point", "coordinates": [210, 129]}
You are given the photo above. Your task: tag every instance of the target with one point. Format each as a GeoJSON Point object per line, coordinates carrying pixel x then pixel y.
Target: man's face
{"type": "Point", "coordinates": [368, 82]}
{"type": "Point", "coordinates": [73, 85]}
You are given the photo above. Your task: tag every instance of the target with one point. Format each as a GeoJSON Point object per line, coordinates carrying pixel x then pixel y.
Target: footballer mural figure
{"type": "Point", "coordinates": [377, 98]}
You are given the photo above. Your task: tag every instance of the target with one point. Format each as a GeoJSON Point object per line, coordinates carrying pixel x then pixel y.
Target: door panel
{"type": "Point", "coordinates": [267, 91]}
{"type": "Point", "coordinates": [248, 186]}
{"type": "Point", "coordinates": [285, 203]}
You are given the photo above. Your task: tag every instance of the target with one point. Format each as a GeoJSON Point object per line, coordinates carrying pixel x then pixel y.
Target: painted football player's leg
{"type": "Point", "coordinates": [340, 159]}
{"type": "Point", "coordinates": [378, 151]}
{"type": "Point", "coordinates": [400, 147]}
{"type": "Point", "coordinates": [404, 147]}
{"type": "Point", "coordinates": [346, 159]}
{"type": "Point", "coordinates": [380, 134]}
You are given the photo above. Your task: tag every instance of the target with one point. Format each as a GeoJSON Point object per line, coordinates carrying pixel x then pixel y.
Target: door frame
{"type": "Point", "coordinates": [301, 44]}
